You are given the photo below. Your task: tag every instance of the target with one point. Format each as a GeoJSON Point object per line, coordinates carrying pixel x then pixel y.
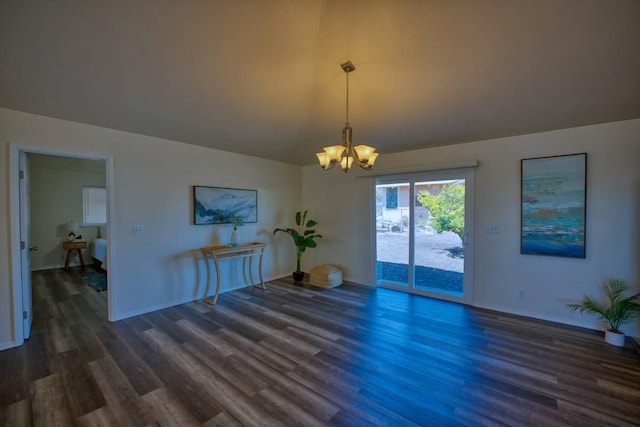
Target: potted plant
{"type": "Point", "coordinates": [303, 237]}
{"type": "Point", "coordinates": [617, 311]}
{"type": "Point", "coordinates": [236, 221]}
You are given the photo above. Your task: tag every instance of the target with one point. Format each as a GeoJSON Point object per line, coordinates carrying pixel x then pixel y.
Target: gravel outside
{"type": "Point", "coordinates": [438, 258]}
{"type": "Point", "coordinates": [432, 250]}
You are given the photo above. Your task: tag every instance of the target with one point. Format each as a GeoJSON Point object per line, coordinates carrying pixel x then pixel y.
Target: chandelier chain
{"type": "Point", "coordinates": [347, 99]}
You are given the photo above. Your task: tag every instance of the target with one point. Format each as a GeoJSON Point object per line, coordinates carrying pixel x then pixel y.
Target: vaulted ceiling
{"type": "Point", "coordinates": [263, 77]}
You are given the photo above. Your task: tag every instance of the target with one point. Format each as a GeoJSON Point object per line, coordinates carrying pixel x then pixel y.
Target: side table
{"type": "Point", "coordinates": [71, 246]}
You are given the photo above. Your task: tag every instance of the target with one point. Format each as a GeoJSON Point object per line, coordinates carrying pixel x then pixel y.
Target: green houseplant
{"type": "Point", "coordinates": [236, 221]}
{"type": "Point", "coordinates": [303, 237]}
{"type": "Point", "coordinates": [616, 310]}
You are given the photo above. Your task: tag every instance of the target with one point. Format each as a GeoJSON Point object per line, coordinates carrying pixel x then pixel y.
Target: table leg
{"type": "Point", "coordinates": [81, 260]}
{"type": "Point", "coordinates": [244, 270]}
{"type": "Point", "coordinates": [251, 271]}
{"type": "Point", "coordinates": [206, 291]}
{"type": "Point", "coordinates": [66, 263]}
{"type": "Point", "coordinates": [228, 255]}
{"type": "Point", "coordinates": [215, 297]}
{"type": "Point", "coordinates": [260, 271]}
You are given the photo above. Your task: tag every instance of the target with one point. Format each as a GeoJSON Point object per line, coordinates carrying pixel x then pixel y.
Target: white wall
{"type": "Point", "coordinates": [152, 184]}
{"type": "Point", "coordinates": [343, 205]}
{"type": "Point", "coordinates": [153, 180]}
{"type": "Point", "coordinates": [55, 199]}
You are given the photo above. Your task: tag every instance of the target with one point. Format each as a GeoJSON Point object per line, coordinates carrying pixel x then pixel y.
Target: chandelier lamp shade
{"type": "Point", "coordinates": [346, 154]}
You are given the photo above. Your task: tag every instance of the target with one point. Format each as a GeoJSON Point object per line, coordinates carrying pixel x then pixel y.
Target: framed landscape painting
{"type": "Point", "coordinates": [215, 205]}
{"type": "Point", "coordinates": [553, 199]}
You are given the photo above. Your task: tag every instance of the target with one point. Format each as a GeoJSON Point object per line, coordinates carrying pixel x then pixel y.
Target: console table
{"type": "Point", "coordinates": [222, 253]}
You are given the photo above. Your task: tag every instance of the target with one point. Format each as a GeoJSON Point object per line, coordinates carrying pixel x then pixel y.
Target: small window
{"type": "Point", "coordinates": [392, 198]}
{"type": "Point", "coordinates": [94, 205]}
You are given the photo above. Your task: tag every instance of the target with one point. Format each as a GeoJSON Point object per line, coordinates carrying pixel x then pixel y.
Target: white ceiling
{"type": "Point", "coordinates": [263, 77]}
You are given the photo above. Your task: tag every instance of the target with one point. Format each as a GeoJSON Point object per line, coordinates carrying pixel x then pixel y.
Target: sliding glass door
{"type": "Point", "coordinates": [392, 233]}
{"type": "Point", "coordinates": [423, 233]}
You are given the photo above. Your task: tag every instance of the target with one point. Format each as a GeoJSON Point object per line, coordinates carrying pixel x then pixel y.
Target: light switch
{"type": "Point", "coordinates": [491, 228]}
{"type": "Point", "coordinates": [138, 229]}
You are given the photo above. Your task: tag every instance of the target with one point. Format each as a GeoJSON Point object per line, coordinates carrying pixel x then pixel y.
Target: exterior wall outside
{"type": "Point", "coordinates": [398, 217]}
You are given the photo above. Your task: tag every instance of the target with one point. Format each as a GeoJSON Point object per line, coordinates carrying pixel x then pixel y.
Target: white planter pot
{"type": "Point", "coordinates": [614, 338]}
{"type": "Point", "coordinates": [234, 238]}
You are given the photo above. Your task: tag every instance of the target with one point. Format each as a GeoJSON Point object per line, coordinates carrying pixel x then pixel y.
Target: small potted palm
{"type": "Point", "coordinates": [303, 237]}
{"type": "Point", "coordinates": [616, 311]}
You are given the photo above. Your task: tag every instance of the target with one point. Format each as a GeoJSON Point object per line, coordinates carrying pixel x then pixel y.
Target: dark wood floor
{"type": "Point", "coordinates": [351, 356]}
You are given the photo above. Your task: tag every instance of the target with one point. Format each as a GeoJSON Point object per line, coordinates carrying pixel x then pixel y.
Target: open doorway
{"type": "Point", "coordinates": [56, 228]}
{"type": "Point", "coordinates": [67, 204]}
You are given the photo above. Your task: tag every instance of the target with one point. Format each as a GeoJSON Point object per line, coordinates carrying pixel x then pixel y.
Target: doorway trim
{"type": "Point", "coordinates": [14, 236]}
{"type": "Point", "coordinates": [468, 173]}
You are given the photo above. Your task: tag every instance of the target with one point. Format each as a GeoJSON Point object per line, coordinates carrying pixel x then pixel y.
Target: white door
{"type": "Point", "coordinates": [25, 245]}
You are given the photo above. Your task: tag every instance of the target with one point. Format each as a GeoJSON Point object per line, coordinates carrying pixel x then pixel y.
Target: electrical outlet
{"type": "Point", "coordinates": [521, 294]}
{"type": "Point", "coordinates": [138, 229]}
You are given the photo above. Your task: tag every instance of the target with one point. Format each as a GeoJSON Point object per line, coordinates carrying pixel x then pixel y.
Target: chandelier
{"type": "Point", "coordinates": [345, 154]}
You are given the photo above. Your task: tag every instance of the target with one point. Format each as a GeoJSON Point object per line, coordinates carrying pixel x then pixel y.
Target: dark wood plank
{"type": "Point", "coordinates": [167, 410]}
{"type": "Point", "coordinates": [80, 389]}
{"type": "Point", "coordinates": [291, 355]}
{"type": "Point", "coordinates": [139, 374]}
{"type": "Point", "coordinates": [49, 402]}
{"type": "Point", "coordinates": [17, 414]}
{"type": "Point", "coordinates": [13, 371]}
{"type": "Point", "coordinates": [123, 402]}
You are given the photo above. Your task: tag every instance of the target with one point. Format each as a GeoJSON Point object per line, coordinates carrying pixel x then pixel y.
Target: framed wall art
{"type": "Point", "coordinates": [553, 205]}
{"type": "Point", "coordinates": [215, 205]}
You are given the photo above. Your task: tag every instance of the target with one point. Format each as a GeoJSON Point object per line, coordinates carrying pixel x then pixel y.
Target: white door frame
{"type": "Point", "coordinates": [24, 195]}
{"type": "Point", "coordinates": [441, 173]}
{"type": "Point", "coordinates": [14, 221]}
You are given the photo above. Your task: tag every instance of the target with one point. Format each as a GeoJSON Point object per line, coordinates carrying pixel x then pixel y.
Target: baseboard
{"type": "Point", "coordinates": [345, 279]}
{"type": "Point", "coordinates": [47, 267]}
{"type": "Point", "coordinates": [537, 316]}
{"type": "Point", "coordinates": [145, 310]}
{"type": "Point", "coordinates": [53, 267]}
{"type": "Point", "coordinates": [8, 345]}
